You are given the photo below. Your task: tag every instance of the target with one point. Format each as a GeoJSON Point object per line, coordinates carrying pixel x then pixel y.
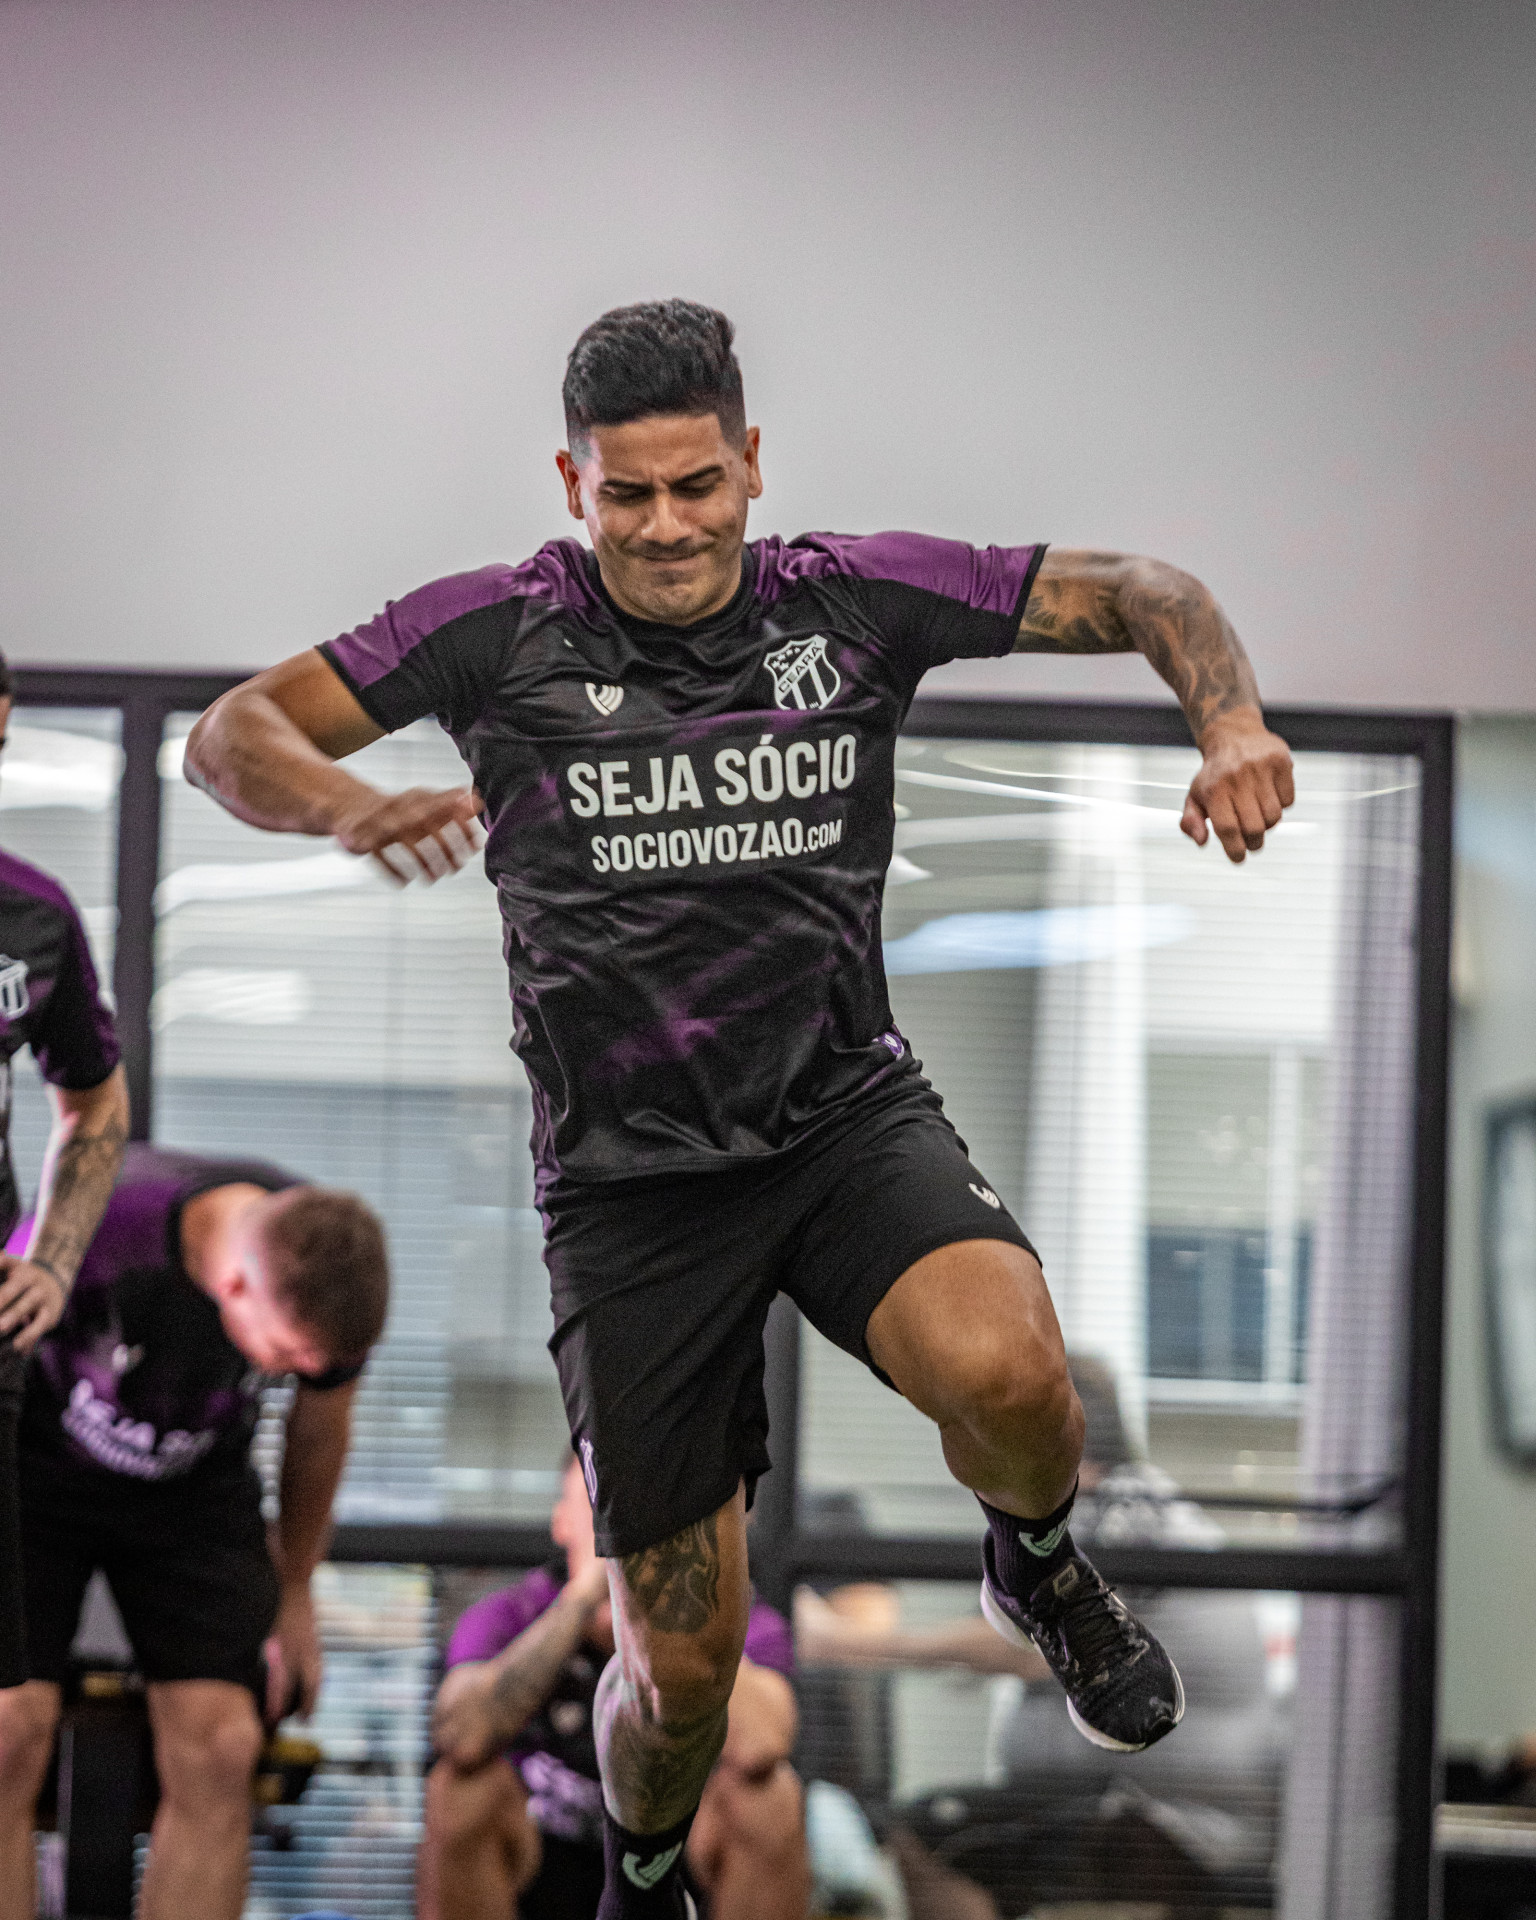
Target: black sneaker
{"type": "Point", "coordinates": [1123, 1692]}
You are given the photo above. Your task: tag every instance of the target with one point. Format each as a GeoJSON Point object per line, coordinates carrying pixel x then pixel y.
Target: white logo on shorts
{"type": "Point", "coordinates": [588, 1469]}
{"type": "Point", "coordinates": [14, 998]}
{"type": "Point", "coordinates": [652, 1871]}
{"type": "Point", "coordinates": [984, 1193]}
{"type": "Point", "coordinates": [605, 698]}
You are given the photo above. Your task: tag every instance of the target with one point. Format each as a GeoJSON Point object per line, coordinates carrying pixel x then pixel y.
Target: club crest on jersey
{"type": "Point", "coordinates": [605, 698]}
{"type": "Point", "coordinates": [803, 676]}
{"type": "Point", "coordinates": [14, 998]}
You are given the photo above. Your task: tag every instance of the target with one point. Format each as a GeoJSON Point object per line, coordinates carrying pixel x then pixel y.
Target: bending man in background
{"type": "Point", "coordinates": [207, 1280]}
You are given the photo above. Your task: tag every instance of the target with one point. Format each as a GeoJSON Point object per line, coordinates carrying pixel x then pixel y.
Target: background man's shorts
{"type": "Point", "coordinates": [189, 1570]}
{"type": "Point", "coordinates": [662, 1286]}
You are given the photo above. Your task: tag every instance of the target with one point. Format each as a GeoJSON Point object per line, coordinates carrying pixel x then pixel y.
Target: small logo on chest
{"type": "Point", "coordinates": [14, 998]}
{"type": "Point", "coordinates": [803, 676]}
{"type": "Point", "coordinates": [605, 698]}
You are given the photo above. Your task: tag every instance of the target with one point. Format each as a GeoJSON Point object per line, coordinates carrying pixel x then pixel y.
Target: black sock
{"type": "Point", "coordinates": [640, 1871]}
{"type": "Point", "coordinates": [1025, 1552]}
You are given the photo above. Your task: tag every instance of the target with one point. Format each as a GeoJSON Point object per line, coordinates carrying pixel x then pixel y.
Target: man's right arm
{"type": "Point", "coordinates": [483, 1705]}
{"type": "Point", "coordinates": [267, 751]}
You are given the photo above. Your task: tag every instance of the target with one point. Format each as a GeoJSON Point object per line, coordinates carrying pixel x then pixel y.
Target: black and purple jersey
{"type": "Point", "coordinates": [49, 1000]}
{"type": "Point", "coordinates": [139, 1379]}
{"type": "Point", "coordinates": [689, 827]}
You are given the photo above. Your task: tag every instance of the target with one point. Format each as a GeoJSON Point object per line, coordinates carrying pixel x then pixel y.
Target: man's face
{"type": "Point", "coordinates": [257, 1320]}
{"type": "Point", "coordinates": [665, 505]}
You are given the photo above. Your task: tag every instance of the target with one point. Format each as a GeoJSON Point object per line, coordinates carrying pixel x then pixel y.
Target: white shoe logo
{"type": "Point", "coordinates": [1047, 1544]}
{"type": "Point", "coordinates": [605, 698]}
{"type": "Point", "coordinates": [984, 1193]}
{"type": "Point", "coordinates": [652, 1871]}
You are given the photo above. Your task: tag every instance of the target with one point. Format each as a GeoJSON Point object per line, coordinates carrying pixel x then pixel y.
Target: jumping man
{"type": "Point", "coordinates": [683, 745]}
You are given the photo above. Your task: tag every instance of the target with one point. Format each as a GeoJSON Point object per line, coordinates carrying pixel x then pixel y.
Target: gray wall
{"type": "Point", "coordinates": [286, 289]}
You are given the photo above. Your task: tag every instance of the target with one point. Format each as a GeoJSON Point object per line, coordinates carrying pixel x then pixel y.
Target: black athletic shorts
{"type": "Point", "coordinates": [662, 1285]}
{"type": "Point", "coordinates": [188, 1567]}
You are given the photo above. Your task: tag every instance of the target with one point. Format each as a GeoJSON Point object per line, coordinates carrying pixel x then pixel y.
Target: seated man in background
{"type": "Point", "coordinates": [514, 1803]}
{"type": "Point", "coordinates": [206, 1280]}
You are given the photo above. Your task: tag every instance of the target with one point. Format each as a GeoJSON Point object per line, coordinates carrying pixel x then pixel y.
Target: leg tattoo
{"type": "Point", "coordinates": [678, 1583]}
{"type": "Point", "coordinates": [659, 1737]}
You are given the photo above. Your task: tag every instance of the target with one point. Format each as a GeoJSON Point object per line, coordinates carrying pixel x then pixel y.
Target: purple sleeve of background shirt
{"type": "Point", "coordinates": [769, 1640]}
{"type": "Point", "coordinates": [73, 1038]}
{"type": "Point", "coordinates": [496, 1621]}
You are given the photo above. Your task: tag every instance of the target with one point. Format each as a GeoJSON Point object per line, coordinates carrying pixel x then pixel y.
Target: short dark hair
{"type": "Point", "coordinates": [330, 1267]}
{"type": "Point", "coordinates": [5, 678]}
{"type": "Point", "coordinates": [662, 356]}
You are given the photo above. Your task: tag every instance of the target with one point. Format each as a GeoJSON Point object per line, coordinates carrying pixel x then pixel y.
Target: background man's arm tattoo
{"type": "Point", "coordinates": [527, 1670]}
{"type": "Point", "coordinates": [76, 1198]}
{"type": "Point", "coordinates": [677, 1583]}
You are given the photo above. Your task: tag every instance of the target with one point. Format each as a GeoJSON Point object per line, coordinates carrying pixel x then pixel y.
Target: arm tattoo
{"type": "Point", "coordinates": [677, 1583]}
{"type": "Point", "coordinates": [527, 1670]}
{"type": "Point", "coordinates": [1107, 604]}
{"type": "Point", "coordinates": [76, 1198]}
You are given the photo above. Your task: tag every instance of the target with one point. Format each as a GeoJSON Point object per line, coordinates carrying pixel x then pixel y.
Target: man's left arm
{"type": "Point", "coordinates": [314, 1453]}
{"type": "Point", "coordinates": [1085, 602]}
{"type": "Point", "coordinates": [80, 1166]}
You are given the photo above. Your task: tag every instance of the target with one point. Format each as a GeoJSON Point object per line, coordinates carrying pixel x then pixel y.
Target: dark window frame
{"type": "Point", "coordinates": [784, 1551]}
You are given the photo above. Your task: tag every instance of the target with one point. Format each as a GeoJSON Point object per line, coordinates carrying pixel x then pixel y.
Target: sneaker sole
{"type": "Point", "coordinates": [1012, 1632]}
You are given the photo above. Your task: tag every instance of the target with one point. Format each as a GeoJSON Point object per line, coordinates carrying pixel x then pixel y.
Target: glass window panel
{"type": "Point", "coordinates": [983, 1775]}
{"type": "Point", "coordinates": [308, 1010]}
{"type": "Point", "coordinates": [59, 778]}
{"type": "Point", "coordinates": [1192, 1083]}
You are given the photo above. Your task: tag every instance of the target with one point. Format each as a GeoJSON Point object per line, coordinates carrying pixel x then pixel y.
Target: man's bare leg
{"type": "Point", "coordinates": [480, 1847]}
{"type": "Point", "coordinates": [748, 1848]}
{"type": "Point", "coordinates": [969, 1335]}
{"type": "Point", "coordinates": [29, 1717]}
{"type": "Point", "coordinates": [207, 1739]}
{"type": "Point", "coordinates": [680, 1620]}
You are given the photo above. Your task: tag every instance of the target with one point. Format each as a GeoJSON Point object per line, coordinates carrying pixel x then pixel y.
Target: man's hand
{"type": "Point", "coordinates": [464, 1725]}
{"type": "Point", "coordinates": [293, 1655]}
{"type": "Point", "coordinates": [267, 750]}
{"type": "Point", "coordinates": [413, 835]}
{"type": "Point", "coordinates": [1244, 783]}
{"type": "Point", "coordinates": [32, 1300]}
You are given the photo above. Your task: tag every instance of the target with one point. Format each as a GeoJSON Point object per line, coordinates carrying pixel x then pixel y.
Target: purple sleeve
{"type": "Point", "coordinates": [769, 1640]}
{"type": "Point", "coordinates": [429, 653]}
{"type": "Point", "coordinates": [939, 599]}
{"type": "Point", "coordinates": [495, 1622]}
{"type": "Point", "coordinates": [414, 659]}
{"type": "Point", "coordinates": [73, 1039]}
